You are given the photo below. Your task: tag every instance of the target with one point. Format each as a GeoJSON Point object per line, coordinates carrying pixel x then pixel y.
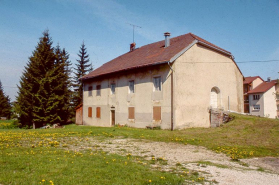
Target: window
{"type": "Point", "coordinates": [157, 113]}
{"type": "Point", "coordinates": [90, 91]}
{"type": "Point", "coordinates": [90, 112]}
{"type": "Point", "coordinates": [256, 97]}
{"type": "Point", "coordinates": [98, 112]}
{"type": "Point", "coordinates": [132, 86]}
{"type": "Point", "coordinates": [98, 92]}
{"type": "Point", "coordinates": [112, 88]}
{"type": "Point", "coordinates": [131, 111]}
{"type": "Point", "coordinates": [256, 107]}
{"type": "Point", "coordinates": [157, 83]}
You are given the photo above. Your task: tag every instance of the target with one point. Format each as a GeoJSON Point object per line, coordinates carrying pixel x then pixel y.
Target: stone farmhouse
{"type": "Point", "coordinates": [173, 84]}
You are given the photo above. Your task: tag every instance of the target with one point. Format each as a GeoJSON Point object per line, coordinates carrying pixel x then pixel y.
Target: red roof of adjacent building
{"type": "Point", "coordinates": [263, 87]}
{"type": "Point", "coordinates": [250, 79]}
{"type": "Point", "coordinates": [150, 54]}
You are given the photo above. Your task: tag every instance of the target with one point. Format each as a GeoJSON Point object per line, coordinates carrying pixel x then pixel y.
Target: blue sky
{"type": "Point", "coordinates": [248, 29]}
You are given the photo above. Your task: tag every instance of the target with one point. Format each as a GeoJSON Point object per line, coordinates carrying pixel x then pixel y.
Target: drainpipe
{"type": "Point", "coordinates": [229, 103]}
{"type": "Point", "coordinates": [171, 96]}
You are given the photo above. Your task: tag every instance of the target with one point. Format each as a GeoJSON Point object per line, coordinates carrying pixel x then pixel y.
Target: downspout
{"type": "Point", "coordinates": [171, 96]}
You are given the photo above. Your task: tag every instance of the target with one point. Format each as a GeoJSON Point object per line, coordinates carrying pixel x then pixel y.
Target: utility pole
{"type": "Point", "coordinates": [134, 30]}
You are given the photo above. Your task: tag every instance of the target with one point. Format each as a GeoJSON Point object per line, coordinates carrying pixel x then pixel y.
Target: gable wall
{"type": "Point", "coordinates": [142, 100]}
{"type": "Point", "coordinates": [256, 82]}
{"type": "Point", "coordinates": [270, 108]}
{"type": "Point", "coordinates": [195, 75]}
{"type": "Point", "coordinates": [253, 102]}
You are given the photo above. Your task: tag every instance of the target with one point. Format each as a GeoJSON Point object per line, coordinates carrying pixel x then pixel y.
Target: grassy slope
{"type": "Point", "coordinates": [246, 133]}
{"type": "Point", "coordinates": [31, 156]}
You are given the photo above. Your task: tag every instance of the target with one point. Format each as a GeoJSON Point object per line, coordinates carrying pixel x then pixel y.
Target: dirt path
{"type": "Point", "coordinates": [214, 167]}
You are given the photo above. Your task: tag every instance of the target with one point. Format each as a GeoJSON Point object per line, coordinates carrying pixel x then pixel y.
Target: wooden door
{"type": "Point", "coordinates": [112, 117]}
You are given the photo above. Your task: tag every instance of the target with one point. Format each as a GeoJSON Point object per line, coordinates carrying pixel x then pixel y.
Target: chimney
{"type": "Point", "coordinates": [132, 46]}
{"type": "Point", "coordinates": [167, 39]}
{"type": "Point", "coordinates": [268, 79]}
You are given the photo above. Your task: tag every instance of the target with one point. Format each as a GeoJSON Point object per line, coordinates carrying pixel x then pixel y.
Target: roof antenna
{"type": "Point", "coordinates": [134, 30]}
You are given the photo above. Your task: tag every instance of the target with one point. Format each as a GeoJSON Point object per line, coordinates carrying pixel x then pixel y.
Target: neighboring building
{"type": "Point", "coordinates": [172, 84]}
{"type": "Point", "coordinates": [249, 83]}
{"type": "Point", "coordinates": [263, 100]}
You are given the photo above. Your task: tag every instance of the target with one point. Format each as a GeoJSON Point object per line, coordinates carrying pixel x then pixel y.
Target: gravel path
{"type": "Point", "coordinates": [214, 167]}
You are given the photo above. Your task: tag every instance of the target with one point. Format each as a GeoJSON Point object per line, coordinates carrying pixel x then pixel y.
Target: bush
{"type": "Point", "coordinates": [9, 124]}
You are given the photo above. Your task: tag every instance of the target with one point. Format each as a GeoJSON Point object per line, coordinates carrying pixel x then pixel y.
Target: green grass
{"type": "Point", "coordinates": [56, 155]}
{"type": "Point", "coordinates": [244, 137]}
{"type": "Point", "coordinates": [33, 166]}
{"type": "Point", "coordinates": [8, 124]}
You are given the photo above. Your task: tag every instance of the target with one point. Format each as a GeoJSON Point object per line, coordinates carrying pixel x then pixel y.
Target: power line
{"type": "Point", "coordinates": [259, 61]}
{"type": "Point", "coordinates": [253, 61]}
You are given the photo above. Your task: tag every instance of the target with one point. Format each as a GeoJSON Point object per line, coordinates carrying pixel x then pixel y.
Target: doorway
{"type": "Point", "coordinates": [112, 112]}
{"type": "Point", "coordinates": [215, 97]}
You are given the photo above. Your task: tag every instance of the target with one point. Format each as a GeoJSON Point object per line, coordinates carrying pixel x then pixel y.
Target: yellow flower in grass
{"type": "Point", "coordinates": [150, 181]}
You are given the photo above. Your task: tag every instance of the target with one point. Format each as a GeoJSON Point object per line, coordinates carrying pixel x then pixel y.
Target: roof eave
{"type": "Point", "coordinates": [135, 67]}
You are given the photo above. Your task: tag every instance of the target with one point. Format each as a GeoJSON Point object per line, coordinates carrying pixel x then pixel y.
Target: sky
{"type": "Point", "coordinates": [249, 29]}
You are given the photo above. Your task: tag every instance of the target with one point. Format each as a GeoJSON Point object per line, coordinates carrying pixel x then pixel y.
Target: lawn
{"type": "Point", "coordinates": [48, 156]}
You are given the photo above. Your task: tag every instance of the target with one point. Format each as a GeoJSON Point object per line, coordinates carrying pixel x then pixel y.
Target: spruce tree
{"type": "Point", "coordinates": [83, 68]}
{"type": "Point", "coordinates": [42, 98]}
{"type": "Point", "coordinates": [5, 105]}
{"type": "Point", "coordinates": [63, 89]}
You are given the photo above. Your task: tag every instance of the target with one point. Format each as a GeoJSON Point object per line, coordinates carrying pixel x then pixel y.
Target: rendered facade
{"type": "Point", "coordinates": [264, 99]}
{"type": "Point", "coordinates": [173, 84]}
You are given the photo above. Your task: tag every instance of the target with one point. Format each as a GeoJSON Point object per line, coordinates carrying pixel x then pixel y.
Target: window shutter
{"type": "Point", "coordinates": [98, 112]}
{"type": "Point", "coordinates": [90, 112]}
{"type": "Point", "coordinates": [157, 113]}
{"type": "Point", "coordinates": [131, 111]}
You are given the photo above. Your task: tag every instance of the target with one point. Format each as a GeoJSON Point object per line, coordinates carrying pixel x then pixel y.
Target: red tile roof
{"type": "Point", "coordinates": [263, 87]}
{"type": "Point", "coordinates": [250, 79]}
{"type": "Point", "coordinates": [150, 54]}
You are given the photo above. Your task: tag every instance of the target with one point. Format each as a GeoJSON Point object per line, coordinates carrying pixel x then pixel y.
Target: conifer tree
{"type": "Point", "coordinates": [83, 68]}
{"type": "Point", "coordinates": [44, 86]}
{"type": "Point", "coordinates": [5, 105]}
{"type": "Point", "coordinates": [63, 89]}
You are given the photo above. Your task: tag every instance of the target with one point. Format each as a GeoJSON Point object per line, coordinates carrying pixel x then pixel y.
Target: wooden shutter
{"type": "Point", "coordinates": [157, 113]}
{"type": "Point", "coordinates": [131, 111]}
{"type": "Point", "coordinates": [98, 112]}
{"type": "Point", "coordinates": [90, 112]}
